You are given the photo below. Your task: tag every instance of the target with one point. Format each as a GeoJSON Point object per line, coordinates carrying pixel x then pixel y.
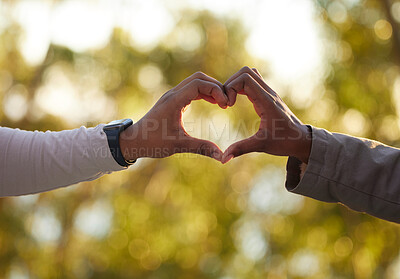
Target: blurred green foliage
{"type": "Point", "coordinates": [188, 216]}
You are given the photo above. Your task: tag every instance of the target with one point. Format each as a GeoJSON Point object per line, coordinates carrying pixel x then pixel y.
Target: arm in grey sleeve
{"type": "Point", "coordinates": [359, 173]}
{"type": "Point", "coordinates": [32, 162]}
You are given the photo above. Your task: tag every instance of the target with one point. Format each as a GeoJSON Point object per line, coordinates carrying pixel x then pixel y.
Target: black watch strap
{"type": "Point", "coordinates": [113, 130]}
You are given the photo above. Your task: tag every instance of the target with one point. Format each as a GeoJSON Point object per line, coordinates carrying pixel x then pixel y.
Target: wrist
{"type": "Point", "coordinates": [304, 144]}
{"type": "Point", "coordinates": [129, 143]}
{"type": "Point", "coordinates": [113, 132]}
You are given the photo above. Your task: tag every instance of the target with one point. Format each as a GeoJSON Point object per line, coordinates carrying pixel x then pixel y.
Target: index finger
{"type": "Point", "coordinates": [201, 88]}
{"type": "Point", "coordinates": [198, 75]}
{"type": "Point", "coordinates": [254, 74]}
{"type": "Point", "coordinates": [247, 85]}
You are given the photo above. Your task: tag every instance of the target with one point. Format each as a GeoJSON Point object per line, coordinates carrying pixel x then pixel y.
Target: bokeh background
{"type": "Point", "coordinates": [69, 63]}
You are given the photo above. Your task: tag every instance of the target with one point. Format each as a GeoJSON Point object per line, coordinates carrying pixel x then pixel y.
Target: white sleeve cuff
{"type": "Point", "coordinates": [100, 151]}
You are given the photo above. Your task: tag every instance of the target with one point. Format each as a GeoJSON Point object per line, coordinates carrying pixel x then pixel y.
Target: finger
{"type": "Point", "coordinates": [257, 72]}
{"type": "Point", "coordinates": [251, 144]}
{"type": "Point", "coordinates": [246, 84]}
{"type": "Point", "coordinates": [197, 88]}
{"type": "Point", "coordinates": [263, 83]}
{"type": "Point", "coordinates": [244, 69]}
{"type": "Point", "coordinates": [207, 98]}
{"type": "Point", "coordinates": [231, 94]}
{"type": "Point", "coordinates": [199, 146]}
{"type": "Point", "coordinates": [198, 75]}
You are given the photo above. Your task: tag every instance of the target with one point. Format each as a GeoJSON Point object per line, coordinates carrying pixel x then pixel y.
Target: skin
{"type": "Point", "coordinates": [280, 133]}
{"type": "Point", "coordinates": [160, 132]}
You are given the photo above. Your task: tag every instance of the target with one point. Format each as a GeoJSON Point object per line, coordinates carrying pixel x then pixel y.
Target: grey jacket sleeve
{"type": "Point", "coordinates": [359, 173]}
{"type": "Point", "coordinates": [32, 162]}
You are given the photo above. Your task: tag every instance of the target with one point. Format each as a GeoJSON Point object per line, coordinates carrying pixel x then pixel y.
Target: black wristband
{"type": "Point", "coordinates": [113, 130]}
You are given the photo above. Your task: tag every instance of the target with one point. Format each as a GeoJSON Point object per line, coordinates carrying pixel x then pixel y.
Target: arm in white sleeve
{"type": "Point", "coordinates": [32, 162]}
{"type": "Point", "coordinates": [359, 173]}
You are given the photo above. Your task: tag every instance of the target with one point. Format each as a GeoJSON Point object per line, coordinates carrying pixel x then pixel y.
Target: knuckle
{"type": "Point", "coordinates": [199, 74]}
{"type": "Point", "coordinates": [194, 83]}
{"type": "Point", "coordinates": [173, 95]}
{"type": "Point", "coordinates": [203, 149]}
{"type": "Point", "coordinates": [166, 97]}
{"type": "Point", "coordinates": [198, 82]}
{"type": "Point", "coordinates": [230, 89]}
{"type": "Point", "coordinates": [245, 69]}
{"type": "Point", "coordinates": [246, 77]}
{"type": "Point", "coordinates": [215, 88]}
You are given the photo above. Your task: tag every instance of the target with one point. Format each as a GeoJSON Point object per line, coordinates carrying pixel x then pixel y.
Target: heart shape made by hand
{"type": "Point", "coordinates": [221, 126]}
{"type": "Point", "coordinates": [160, 133]}
{"type": "Point", "coordinates": [280, 132]}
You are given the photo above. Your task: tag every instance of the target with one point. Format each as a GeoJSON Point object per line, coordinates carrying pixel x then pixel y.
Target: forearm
{"type": "Point", "coordinates": [32, 162]}
{"type": "Point", "coordinates": [362, 174]}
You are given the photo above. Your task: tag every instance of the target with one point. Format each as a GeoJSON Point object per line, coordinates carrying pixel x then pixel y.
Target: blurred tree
{"type": "Point", "coordinates": [187, 216]}
{"type": "Point", "coordinates": [362, 87]}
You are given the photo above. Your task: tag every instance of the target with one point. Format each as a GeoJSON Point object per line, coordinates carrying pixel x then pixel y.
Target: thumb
{"type": "Point", "coordinates": [239, 148]}
{"type": "Point", "coordinates": [202, 147]}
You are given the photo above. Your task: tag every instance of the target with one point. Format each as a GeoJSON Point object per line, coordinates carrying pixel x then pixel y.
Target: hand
{"type": "Point", "coordinates": [280, 131]}
{"type": "Point", "coordinates": [160, 132]}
